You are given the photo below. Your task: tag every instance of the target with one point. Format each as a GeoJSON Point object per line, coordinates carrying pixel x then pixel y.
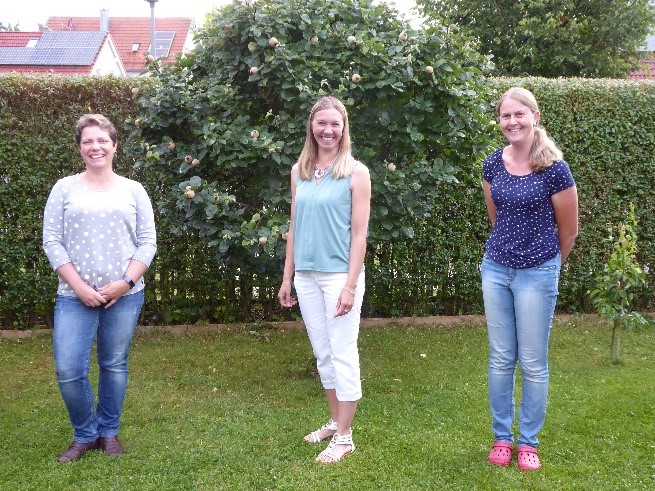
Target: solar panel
{"type": "Point", "coordinates": [163, 43]}
{"type": "Point", "coordinates": [63, 48]}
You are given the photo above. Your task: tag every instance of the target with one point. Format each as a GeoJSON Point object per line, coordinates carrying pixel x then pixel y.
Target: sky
{"type": "Point", "coordinates": [29, 13]}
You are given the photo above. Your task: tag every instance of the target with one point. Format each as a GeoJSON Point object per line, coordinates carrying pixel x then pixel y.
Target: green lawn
{"type": "Point", "coordinates": [227, 410]}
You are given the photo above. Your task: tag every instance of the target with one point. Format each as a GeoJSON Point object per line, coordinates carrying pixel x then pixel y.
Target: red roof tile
{"type": "Point", "coordinates": [129, 31]}
{"type": "Point", "coordinates": [17, 39]}
{"type": "Point", "coordinates": [647, 71]}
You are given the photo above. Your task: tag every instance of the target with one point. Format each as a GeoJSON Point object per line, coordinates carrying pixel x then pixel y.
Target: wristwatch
{"type": "Point", "coordinates": [129, 281]}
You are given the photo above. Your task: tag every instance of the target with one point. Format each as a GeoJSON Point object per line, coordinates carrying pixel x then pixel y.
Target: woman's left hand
{"type": "Point", "coordinates": [111, 292]}
{"type": "Point", "coordinates": [345, 303]}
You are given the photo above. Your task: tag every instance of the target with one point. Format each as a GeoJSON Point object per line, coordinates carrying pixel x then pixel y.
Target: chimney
{"type": "Point", "coordinates": [104, 20]}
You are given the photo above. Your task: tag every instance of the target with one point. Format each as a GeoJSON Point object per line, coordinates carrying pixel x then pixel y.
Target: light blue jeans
{"type": "Point", "coordinates": [519, 305]}
{"type": "Point", "coordinates": [334, 340]}
{"type": "Point", "coordinates": [75, 330]}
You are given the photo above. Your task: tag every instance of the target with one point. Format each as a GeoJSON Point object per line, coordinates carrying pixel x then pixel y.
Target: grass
{"type": "Point", "coordinates": [227, 411]}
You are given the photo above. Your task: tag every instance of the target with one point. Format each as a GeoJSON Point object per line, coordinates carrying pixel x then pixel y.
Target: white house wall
{"type": "Point", "coordinates": [108, 62]}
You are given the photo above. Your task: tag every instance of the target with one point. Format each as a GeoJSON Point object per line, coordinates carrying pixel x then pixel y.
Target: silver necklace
{"type": "Point", "coordinates": [319, 173]}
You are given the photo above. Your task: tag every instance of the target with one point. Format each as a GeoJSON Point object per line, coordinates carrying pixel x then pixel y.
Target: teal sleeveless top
{"type": "Point", "coordinates": [322, 220]}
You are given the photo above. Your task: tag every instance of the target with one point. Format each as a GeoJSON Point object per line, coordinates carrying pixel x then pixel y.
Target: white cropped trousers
{"type": "Point", "coordinates": [334, 340]}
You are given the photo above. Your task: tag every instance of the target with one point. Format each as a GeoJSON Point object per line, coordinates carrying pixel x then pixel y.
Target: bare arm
{"type": "Point", "coordinates": [565, 204]}
{"type": "Point", "coordinates": [360, 187]}
{"type": "Point", "coordinates": [491, 207]}
{"type": "Point", "coordinates": [284, 295]}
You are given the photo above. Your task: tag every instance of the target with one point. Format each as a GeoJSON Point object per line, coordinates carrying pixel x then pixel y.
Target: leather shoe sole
{"type": "Point", "coordinates": [77, 450]}
{"type": "Point", "coordinates": [111, 445]}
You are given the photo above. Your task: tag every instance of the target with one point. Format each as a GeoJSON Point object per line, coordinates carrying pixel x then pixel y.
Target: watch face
{"type": "Point", "coordinates": [128, 280]}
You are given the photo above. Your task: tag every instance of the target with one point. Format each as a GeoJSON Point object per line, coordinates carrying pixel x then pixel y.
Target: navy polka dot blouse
{"type": "Point", "coordinates": [525, 232]}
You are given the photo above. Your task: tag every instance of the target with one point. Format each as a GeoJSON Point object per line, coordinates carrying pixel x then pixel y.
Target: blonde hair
{"type": "Point", "coordinates": [343, 162]}
{"type": "Point", "coordinates": [544, 152]}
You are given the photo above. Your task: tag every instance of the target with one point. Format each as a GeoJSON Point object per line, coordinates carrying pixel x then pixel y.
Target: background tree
{"type": "Point", "coordinates": [552, 38]}
{"type": "Point", "coordinates": [222, 128]}
{"type": "Point", "coordinates": [616, 285]}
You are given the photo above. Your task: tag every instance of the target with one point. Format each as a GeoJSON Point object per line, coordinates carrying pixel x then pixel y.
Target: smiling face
{"type": "Point", "coordinates": [97, 148]}
{"type": "Point", "coordinates": [517, 121]}
{"type": "Point", "coordinates": [327, 129]}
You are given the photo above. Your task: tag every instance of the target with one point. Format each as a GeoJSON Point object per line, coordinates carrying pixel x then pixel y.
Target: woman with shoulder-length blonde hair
{"type": "Point", "coordinates": [326, 245]}
{"type": "Point", "coordinates": [532, 203]}
{"type": "Point", "coordinates": [342, 163]}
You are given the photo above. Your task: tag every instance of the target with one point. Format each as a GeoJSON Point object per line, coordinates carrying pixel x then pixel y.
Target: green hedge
{"type": "Point", "coordinates": [605, 129]}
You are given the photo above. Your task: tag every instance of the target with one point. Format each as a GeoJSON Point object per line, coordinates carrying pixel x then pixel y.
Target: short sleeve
{"type": "Point", "coordinates": [491, 165]}
{"type": "Point", "coordinates": [559, 177]}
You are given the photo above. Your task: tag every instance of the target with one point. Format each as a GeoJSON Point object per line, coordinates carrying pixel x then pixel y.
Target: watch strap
{"type": "Point", "coordinates": [128, 280]}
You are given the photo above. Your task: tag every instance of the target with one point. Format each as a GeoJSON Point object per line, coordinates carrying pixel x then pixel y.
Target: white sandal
{"type": "Point", "coordinates": [329, 451]}
{"type": "Point", "coordinates": [315, 436]}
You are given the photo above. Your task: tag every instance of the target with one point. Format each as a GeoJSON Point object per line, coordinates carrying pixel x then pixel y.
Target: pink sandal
{"type": "Point", "coordinates": [501, 454]}
{"type": "Point", "coordinates": [527, 458]}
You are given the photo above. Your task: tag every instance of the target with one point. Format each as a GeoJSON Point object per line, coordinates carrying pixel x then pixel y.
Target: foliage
{"type": "Point", "coordinates": [222, 128]}
{"type": "Point", "coordinates": [554, 38]}
{"type": "Point", "coordinates": [226, 410]}
{"type": "Point", "coordinates": [37, 147]}
{"type": "Point", "coordinates": [603, 126]}
{"type": "Point", "coordinates": [615, 287]}
{"type": "Point", "coordinates": [604, 134]}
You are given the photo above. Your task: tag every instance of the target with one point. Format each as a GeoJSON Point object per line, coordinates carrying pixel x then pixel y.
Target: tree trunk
{"type": "Point", "coordinates": [616, 342]}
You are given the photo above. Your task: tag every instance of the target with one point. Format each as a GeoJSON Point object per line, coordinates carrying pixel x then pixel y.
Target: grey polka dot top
{"type": "Point", "coordinates": [98, 231]}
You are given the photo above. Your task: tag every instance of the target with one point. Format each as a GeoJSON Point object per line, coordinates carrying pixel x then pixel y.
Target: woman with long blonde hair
{"type": "Point", "coordinates": [532, 204]}
{"type": "Point", "coordinates": [326, 245]}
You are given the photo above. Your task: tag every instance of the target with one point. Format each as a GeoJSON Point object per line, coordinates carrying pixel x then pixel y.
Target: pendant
{"type": "Point", "coordinates": [319, 173]}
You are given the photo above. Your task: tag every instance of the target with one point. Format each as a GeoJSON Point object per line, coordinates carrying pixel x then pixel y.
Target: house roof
{"type": "Point", "coordinates": [50, 70]}
{"type": "Point", "coordinates": [131, 35]}
{"type": "Point", "coordinates": [57, 49]}
{"type": "Point", "coordinates": [17, 39]}
{"type": "Point", "coordinates": [647, 71]}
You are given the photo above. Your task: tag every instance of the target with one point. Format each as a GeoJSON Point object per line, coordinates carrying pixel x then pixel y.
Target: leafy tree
{"type": "Point", "coordinates": [552, 38]}
{"type": "Point", "coordinates": [615, 287]}
{"type": "Point", "coordinates": [222, 128]}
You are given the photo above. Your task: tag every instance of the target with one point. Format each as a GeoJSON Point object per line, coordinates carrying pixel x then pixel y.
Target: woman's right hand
{"type": "Point", "coordinates": [85, 292]}
{"type": "Point", "coordinates": [89, 295]}
{"type": "Point", "coordinates": [284, 296]}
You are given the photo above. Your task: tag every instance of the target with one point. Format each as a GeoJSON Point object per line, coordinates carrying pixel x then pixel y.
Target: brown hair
{"type": "Point", "coordinates": [544, 152]}
{"type": "Point", "coordinates": [343, 163]}
{"type": "Point", "coordinates": [95, 120]}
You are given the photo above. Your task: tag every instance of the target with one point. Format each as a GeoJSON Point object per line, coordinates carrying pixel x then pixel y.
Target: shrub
{"type": "Point", "coordinates": [236, 110]}
{"type": "Point", "coordinates": [616, 285]}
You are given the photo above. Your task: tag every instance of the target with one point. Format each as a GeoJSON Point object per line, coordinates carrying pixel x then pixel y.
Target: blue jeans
{"type": "Point", "coordinates": [76, 328]}
{"type": "Point", "coordinates": [519, 305]}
